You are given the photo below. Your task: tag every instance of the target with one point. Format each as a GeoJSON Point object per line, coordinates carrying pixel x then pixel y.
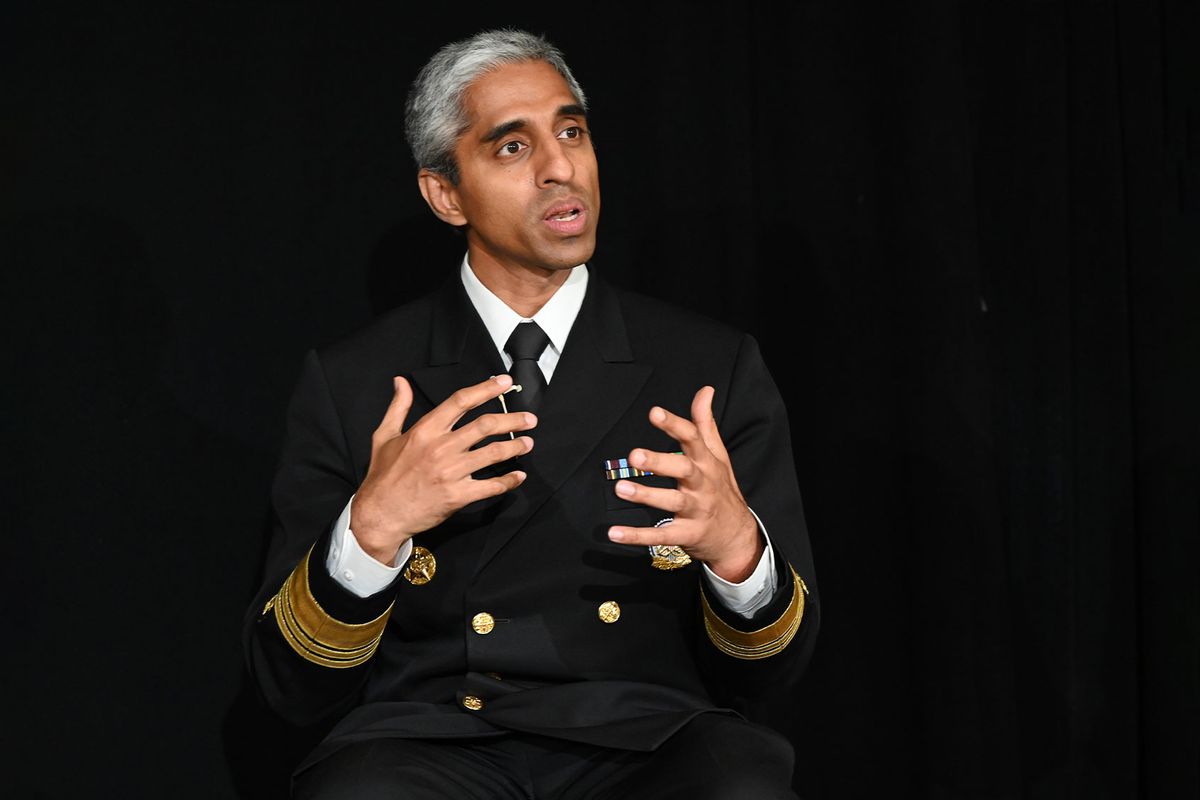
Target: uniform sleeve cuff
{"type": "Point", "coordinates": [316, 632]}
{"type": "Point", "coordinates": [765, 634]}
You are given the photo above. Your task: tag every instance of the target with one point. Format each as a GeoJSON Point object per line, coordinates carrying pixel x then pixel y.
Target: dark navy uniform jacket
{"type": "Point", "coordinates": [407, 662]}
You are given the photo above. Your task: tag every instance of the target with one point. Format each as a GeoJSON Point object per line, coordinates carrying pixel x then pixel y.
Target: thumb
{"type": "Point", "coordinates": [397, 411]}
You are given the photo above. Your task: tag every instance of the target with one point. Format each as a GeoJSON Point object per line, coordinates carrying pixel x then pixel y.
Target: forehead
{"type": "Point", "coordinates": [528, 90]}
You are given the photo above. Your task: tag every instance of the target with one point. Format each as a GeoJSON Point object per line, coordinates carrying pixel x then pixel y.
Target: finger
{"type": "Point", "coordinates": [392, 423]}
{"type": "Point", "coordinates": [492, 425]}
{"type": "Point", "coordinates": [495, 453]}
{"type": "Point", "coordinates": [491, 487]}
{"type": "Point", "coordinates": [671, 500]}
{"type": "Point", "coordinates": [706, 423]}
{"type": "Point", "coordinates": [452, 409]}
{"type": "Point", "coordinates": [671, 465]}
{"type": "Point", "coordinates": [650, 536]}
{"type": "Point", "coordinates": [681, 430]}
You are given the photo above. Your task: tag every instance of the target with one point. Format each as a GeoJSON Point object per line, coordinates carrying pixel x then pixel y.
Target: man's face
{"type": "Point", "coordinates": [528, 187]}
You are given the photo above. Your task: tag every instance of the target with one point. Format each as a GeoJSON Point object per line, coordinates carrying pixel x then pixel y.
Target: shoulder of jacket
{"type": "Point", "coordinates": [650, 319]}
{"type": "Point", "coordinates": [404, 324]}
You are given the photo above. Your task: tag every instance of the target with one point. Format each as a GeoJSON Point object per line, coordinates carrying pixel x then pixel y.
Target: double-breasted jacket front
{"type": "Point", "coordinates": [585, 639]}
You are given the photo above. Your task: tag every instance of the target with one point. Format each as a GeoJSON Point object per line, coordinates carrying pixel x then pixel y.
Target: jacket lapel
{"type": "Point", "coordinates": [594, 384]}
{"type": "Point", "coordinates": [460, 351]}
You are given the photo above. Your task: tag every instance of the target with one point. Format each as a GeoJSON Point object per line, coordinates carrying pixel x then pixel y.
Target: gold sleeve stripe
{"type": "Point", "coordinates": [764, 642]}
{"type": "Point", "coordinates": [316, 636]}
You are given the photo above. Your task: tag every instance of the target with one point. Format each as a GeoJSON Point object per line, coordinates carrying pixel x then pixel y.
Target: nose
{"type": "Point", "coordinates": [555, 167]}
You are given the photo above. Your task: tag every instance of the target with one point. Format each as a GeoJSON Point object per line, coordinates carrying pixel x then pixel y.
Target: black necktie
{"type": "Point", "coordinates": [525, 345]}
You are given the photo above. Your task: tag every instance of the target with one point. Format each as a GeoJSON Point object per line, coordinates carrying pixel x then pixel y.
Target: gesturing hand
{"type": "Point", "coordinates": [419, 477]}
{"type": "Point", "coordinates": [712, 521]}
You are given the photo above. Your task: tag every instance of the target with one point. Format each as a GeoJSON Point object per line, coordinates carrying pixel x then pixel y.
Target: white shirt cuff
{"type": "Point", "coordinates": [351, 567]}
{"type": "Point", "coordinates": [752, 594]}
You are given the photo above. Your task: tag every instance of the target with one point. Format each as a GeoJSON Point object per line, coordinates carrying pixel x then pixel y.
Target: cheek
{"type": "Point", "coordinates": [508, 202]}
{"type": "Point", "coordinates": [496, 212]}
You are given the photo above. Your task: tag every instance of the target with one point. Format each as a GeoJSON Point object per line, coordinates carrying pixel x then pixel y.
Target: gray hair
{"type": "Point", "coordinates": [434, 116]}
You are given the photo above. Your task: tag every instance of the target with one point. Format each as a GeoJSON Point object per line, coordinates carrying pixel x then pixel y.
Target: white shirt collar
{"type": "Point", "coordinates": [555, 318]}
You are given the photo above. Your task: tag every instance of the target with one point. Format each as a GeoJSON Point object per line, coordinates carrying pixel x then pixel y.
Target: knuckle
{"type": "Point", "coordinates": [461, 400]}
{"type": "Point", "coordinates": [442, 474]}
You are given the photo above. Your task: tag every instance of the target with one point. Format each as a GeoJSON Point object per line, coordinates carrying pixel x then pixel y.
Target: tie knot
{"type": "Point", "coordinates": [527, 341]}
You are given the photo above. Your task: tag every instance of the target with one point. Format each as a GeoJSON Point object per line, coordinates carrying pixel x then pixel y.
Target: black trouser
{"type": "Point", "coordinates": [712, 757]}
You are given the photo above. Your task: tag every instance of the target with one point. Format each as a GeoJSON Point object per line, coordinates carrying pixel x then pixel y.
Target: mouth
{"type": "Point", "coordinates": [568, 218]}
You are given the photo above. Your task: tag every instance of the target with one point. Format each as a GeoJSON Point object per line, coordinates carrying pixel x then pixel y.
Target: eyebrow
{"type": "Point", "coordinates": [505, 128]}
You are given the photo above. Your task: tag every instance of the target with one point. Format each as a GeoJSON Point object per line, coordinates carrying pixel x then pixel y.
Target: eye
{"type": "Point", "coordinates": [512, 148]}
{"type": "Point", "coordinates": [574, 132]}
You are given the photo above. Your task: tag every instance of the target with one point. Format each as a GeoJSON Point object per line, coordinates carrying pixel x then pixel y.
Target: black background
{"type": "Point", "coordinates": [967, 235]}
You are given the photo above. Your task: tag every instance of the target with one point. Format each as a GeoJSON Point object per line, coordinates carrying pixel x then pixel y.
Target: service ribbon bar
{"type": "Point", "coordinates": [617, 468]}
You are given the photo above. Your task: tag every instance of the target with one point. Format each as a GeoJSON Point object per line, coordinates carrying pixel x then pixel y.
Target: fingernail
{"type": "Point", "coordinates": [657, 414]}
{"type": "Point", "coordinates": [520, 475]}
{"type": "Point", "coordinates": [625, 489]}
{"type": "Point", "coordinates": [528, 440]}
{"type": "Point", "coordinates": [616, 534]}
{"type": "Point", "coordinates": [637, 458]}
{"type": "Point", "coordinates": [530, 420]}
{"type": "Point", "coordinates": [502, 379]}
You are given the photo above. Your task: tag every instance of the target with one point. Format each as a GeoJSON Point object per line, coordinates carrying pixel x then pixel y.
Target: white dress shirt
{"type": "Point", "coordinates": [362, 575]}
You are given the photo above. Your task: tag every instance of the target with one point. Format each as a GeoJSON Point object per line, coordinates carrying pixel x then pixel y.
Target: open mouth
{"type": "Point", "coordinates": [567, 219]}
{"type": "Point", "coordinates": [564, 216]}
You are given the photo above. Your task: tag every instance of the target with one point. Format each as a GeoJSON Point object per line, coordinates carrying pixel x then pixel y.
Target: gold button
{"type": "Point", "coordinates": [421, 567]}
{"type": "Point", "coordinates": [472, 702]}
{"type": "Point", "coordinates": [609, 611]}
{"type": "Point", "coordinates": [482, 622]}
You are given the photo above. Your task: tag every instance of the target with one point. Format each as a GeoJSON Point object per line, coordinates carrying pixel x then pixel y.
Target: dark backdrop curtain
{"type": "Point", "coordinates": [966, 234]}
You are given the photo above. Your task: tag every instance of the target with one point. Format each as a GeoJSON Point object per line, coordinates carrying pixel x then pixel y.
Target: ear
{"type": "Point", "coordinates": [442, 197]}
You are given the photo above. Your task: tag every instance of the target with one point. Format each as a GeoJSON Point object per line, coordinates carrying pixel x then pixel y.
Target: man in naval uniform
{"type": "Point", "coordinates": [533, 536]}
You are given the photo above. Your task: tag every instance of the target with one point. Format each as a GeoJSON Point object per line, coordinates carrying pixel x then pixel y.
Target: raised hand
{"type": "Point", "coordinates": [420, 476]}
{"type": "Point", "coordinates": [712, 521]}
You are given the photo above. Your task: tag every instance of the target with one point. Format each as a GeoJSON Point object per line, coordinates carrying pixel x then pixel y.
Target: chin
{"type": "Point", "coordinates": [571, 256]}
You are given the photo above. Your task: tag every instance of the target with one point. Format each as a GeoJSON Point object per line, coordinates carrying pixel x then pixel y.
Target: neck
{"type": "Point", "coordinates": [523, 289]}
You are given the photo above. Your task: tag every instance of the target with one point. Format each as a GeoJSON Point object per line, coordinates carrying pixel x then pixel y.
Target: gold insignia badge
{"type": "Point", "coordinates": [668, 556]}
{"type": "Point", "coordinates": [422, 566]}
